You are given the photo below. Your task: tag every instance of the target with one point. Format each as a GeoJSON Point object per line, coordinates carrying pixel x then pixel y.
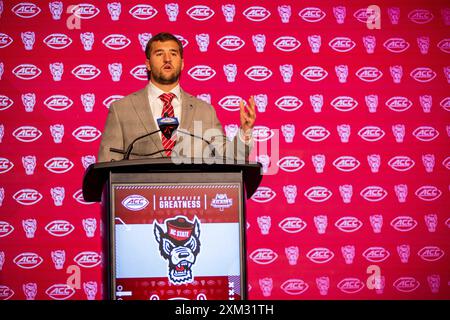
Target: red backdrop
{"type": "Point", "coordinates": [357, 100]}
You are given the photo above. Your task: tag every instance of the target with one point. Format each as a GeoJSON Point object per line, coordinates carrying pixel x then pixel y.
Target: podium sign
{"type": "Point", "coordinates": [179, 237]}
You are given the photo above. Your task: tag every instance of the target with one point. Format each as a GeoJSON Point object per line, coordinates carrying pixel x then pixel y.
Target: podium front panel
{"type": "Point", "coordinates": [177, 236]}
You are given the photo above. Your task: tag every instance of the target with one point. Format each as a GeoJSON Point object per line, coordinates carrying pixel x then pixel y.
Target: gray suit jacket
{"type": "Point", "coordinates": [131, 117]}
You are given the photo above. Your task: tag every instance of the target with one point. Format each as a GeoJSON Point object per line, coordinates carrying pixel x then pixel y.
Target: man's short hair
{"type": "Point", "coordinates": [163, 36]}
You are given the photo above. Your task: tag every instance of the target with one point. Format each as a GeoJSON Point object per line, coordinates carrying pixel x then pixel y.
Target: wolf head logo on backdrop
{"type": "Point", "coordinates": [180, 245]}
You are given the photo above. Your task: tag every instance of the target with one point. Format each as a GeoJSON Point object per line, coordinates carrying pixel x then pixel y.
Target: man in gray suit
{"type": "Point", "coordinates": [136, 114]}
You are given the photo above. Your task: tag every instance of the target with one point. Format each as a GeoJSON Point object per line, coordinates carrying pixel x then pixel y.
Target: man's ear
{"type": "Point", "coordinates": [147, 64]}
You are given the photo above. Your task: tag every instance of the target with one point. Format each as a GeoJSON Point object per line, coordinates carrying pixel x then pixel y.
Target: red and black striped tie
{"type": "Point", "coordinates": [167, 98]}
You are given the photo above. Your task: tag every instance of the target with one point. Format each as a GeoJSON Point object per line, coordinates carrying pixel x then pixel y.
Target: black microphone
{"type": "Point", "coordinates": [210, 146]}
{"type": "Point", "coordinates": [167, 125]}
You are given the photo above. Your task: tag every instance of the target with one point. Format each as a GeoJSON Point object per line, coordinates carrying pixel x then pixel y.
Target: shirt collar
{"type": "Point", "coordinates": [155, 92]}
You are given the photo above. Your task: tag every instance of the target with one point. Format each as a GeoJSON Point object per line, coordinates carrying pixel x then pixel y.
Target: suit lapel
{"type": "Point", "coordinates": [141, 106]}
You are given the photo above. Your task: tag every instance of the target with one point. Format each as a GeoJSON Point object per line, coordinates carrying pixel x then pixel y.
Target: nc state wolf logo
{"type": "Point", "coordinates": [180, 245]}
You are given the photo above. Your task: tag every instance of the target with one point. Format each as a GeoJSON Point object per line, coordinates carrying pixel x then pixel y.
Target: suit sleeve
{"type": "Point", "coordinates": [112, 137]}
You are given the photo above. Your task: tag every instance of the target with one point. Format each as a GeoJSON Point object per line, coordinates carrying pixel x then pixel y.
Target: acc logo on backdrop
{"type": "Point", "coordinates": [230, 103]}
{"type": "Point", "coordinates": [318, 194]}
{"type": "Point", "coordinates": [231, 43]}
{"type": "Point", "coordinates": [431, 253]}
{"type": "Point", "coordinates": [139, 72]}
{"type": "Point", "coordinates": [116, 41]}
{"type": "Point", "coordinates": [403, 223]}
{"type": "Point", "coordinates": [376, 254]}
{"type": "Point", "coordinates": [58, 165]}
{"type": "Point", "coordinates": [5, 165]}
{"type": "Point", "coordinates": [444, 45]}
{"type": "Point", "coordinates": [26, 10]}
{"type": "Point", "coordinates": [369, 74]}
{"type": "Point", "coordinates": [344, 103]}
{"type": "Point", "coordinates": [292, 224]}
{"type": "Point", "coordinates": [406, 284]}
{"type": "Point", "coordinates": [26, 71]}
{"type": "Point", "coordinates": [202, 72]}
{"type": "Point", "coordinates": [423, 74]}
{"type": "Point", "coordinates": [258, 73]}
{"type": "Point", "coordinates": [428, 193]}
{"type": "Point", "coordinates": [396, 45]}
{"type": "Point", "coordinates": [135, 202]}
{"type": "Point", "coordinates": [342, 44]}
{"type": "Point", "coordinates": [263, 194]}
{"type": "Point", "coordinates": [85, 11]}
{"type": "Point", "coordinates": [286, 43]}
{"type": "Point", "coordinates": [200, 12]}
{"type": "Point", "coordinates": [27, 197]}
{"type": "Point", "coordinates": [425, 133]}
{"type": "Point", "coordinates": [263, 256]}
{"type": "Point", "coordinates": [312, 14]}
{"type": "Point", "coordinates": [143, 11]}
{"type": "Point", "coordinates": [57, 41]}
{"type": "Point", "coordinates": [59, 228]}
{"type": "Point", "coordinates": [290, 163]}
{"type": "Point", "coordinates": [5, 292]}
{"type": "Point", "coordinates": [5, 40]}
{"type": "Point", "coordinates": [107, 102]}
{"type": "Point", "coordinates": [445, 103]}
{"type": "Point", "coordinates": [401, 163]}
{"type": "Point", "coordinates": [256, 13]}
{"type": "Point", "coordinates": [320, 255]}
{"type": "Point", "coordinates": [88, 259]}
{"type": "Point", "coordinates": [316, 133]}
{"type": "Point", "coordinates": [86, 72]}
{"type": "Point", "coordinates": [373, 193]}
{"type": "Point", "coordinates": [294, 286]}
{"type": "Point", "coordinates": [5, 229]}
{"type": "Point", "coordinates": [5, 102]}
{"type": "Point", "coordinates": [371, 133]}
{"type": "Point", "coordinates": [420, 16]}
{"type": "Point", "coordinates": [314, 73]}
{"type": "Point", "coordinates": [58, 102]}
{"type": "Point", "coordinates": [288, 103]}
{"type": "Point", "coordinates": [350, 285]}
{"type": "Point", "coordinates": [86, 133]}
{"type": "Point", "coordinates": [348, 224]}
{"type": "Point", "coordinates": [27, 133]}
{"type": "Point", "coordinates": [346, 163]}
{"type": "Point", "coordinates": [28, 260]}
{"type": "Point", "coordinates": [60, 291]}
{"type": "Point", "coordinates": [399, 104]}
{"type": "Point", "coordinates": [262, 133]}
{"type": "Point", "coordinates": [78, 196]}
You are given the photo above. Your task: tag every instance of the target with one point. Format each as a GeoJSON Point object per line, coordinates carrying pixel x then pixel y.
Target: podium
{"type": "Point", "coordinates": [173, 231]}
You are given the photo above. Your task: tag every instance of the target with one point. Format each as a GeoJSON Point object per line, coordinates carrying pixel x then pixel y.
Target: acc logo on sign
{"type": "Point", "coordinates": [27, 133]}
{"type": "Point", "coordinates": [60, 291]}
{"type": "Point", "coordinates": [342, 44]}
{"type": "Point", "coordinates": [26, 71]}
{"type": "Point", "coordinates": [86, 133]}
{"type": "Point", "coordinates": [428, 193]}
{"type": "Point", "coordinates": [406, 284]}
{"type": "Point", "coordinates": [371, 133]}
{"type": "Point", "coordinates": [312, 14]}
{"type": "Point", "coordinates": [200, 12]}
{"type": "Point", "coordinates": [348, 224]}
{"type": "Point", "coordinates": [58, 165]}
{"type": "Point", "coordinates": [314, 73]}
{"type": "Point", "coordinates": [202, 72]}
{"type": "Point", "coordinates": [373, 193]}
{"type": "Point", "coordinates": [399, 104]}
{"type": "Point", "coordinates": [5, 40]}
{"type": "Point", "coordinates": [258, 73]}
{"type": "Point", "coordinates": [27, 197]}
{"type": "Point", "coordinates": [88, 259]}
{"type": "Point", "coordinates": [78, 196]}
{"type": "Point", "coordinates": [263, 256]}
{"type": "Point", "coordinates": [403, 223]}
{"type": "Point", "coordinates": [263, 194]}
{"type": "Point", "coordinates": [86, 72]}
{"type": "Point", "coordinates": [425, 133]}
{"type": "Point", "coordinates": [59, 228]}
{"type": "Point", "coordinates": [288, 103]}
{"type": "Point", "coordinates": [57, 41]}
{"type": "Point", "coordinates": [376, 254]}
{"type": "Point", "coordinates": [287, 43]}
{"type": "Point", "coordinates": [230, 103]}
{"type": "Point", "coordinates": [5, 102]}
{"type": "Point", "coordinates": [396, 45]}
{"type": "Point", "coordinates": [107, 102]}
{"type": "Point", "coordinates": [423, 74]}
{"type": "Point", "coordinates": [350, 285]}
{"type": "Point", "coordinates": [5, 165]}
{"type": "Point", "coordinates": [262, 133]}
{"type": "Point", "coordinates": [143, 11]}
{"type": "Point", "coordinates": [318, 194]}
{"type": "Point", "coordinates": [28, 260]}
{"type": "Point", "coordinates": [401, 163]}
{"type": "Point", "coordinates": [294, 286]}
{"type": "Point", "coordinates": [5, 229]}
{"type": "Point", "coordinates": [5, 292]}
{"type": "Point", "coordinates": [116, 41]}
{"type": "Point", "coordinates": [256, 13]}
{"type": "Point", "coordinates": [346, 163]}
{"type": "Point", "coordinates": [369, 74]}
{"type": "Point", "coordinates": [135, 202]}
{"type": "Point", "coordinates": [316, 133]}
{"type": "Point", "coordinates": [290, 163]}
{"type": "Point", "coordinates": [58, 102]}
{"type": "Point", "coordinates": [26, 10]}
{"type": "Point", "coordinates": [420, 16]}
{"type": "Point", "coordinates": [231, 43]}
{"type": "Point", "coordinates": [431, 253]}
{"type": "Point", "coordinates": [292, 224]}
{"type": "Point", "coordinates": [320, 255]}
{"type": "Point", "coordinates": [344, 103]}
{"type": "Point", "coordinates": [139, 72]}
{"type": "Point", "coordinates": [85, 10]}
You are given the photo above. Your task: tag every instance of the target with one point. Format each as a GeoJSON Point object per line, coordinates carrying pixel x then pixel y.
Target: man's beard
{"type": "Point", "coordinates": [165, 80]}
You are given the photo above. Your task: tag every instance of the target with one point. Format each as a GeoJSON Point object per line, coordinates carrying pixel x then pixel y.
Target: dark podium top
{"type": "Point", "coordinates": [97, 174]}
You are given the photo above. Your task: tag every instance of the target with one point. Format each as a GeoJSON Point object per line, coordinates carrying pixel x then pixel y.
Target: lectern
{"type": "Point", "coordinates": [173, 231]}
